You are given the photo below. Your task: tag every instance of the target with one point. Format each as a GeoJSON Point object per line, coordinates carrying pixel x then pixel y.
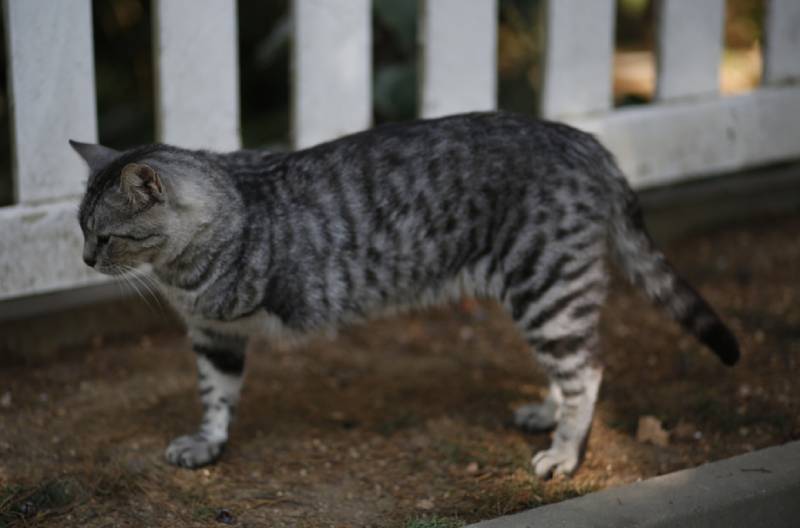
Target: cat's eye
{"type": "Point", "coordinates": [103, 239]}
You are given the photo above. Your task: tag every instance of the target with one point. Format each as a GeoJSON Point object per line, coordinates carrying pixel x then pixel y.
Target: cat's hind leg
{"type": "Point", "coordinates": [574, 421]}
{"type": "Point", "coordinates": [543, 416]}
{"type": "Point", "coordinates": [558, 316]}
{"type": "Point", "coordinates": [220, 367]}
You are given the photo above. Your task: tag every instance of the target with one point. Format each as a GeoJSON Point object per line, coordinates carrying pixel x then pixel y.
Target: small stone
{"type": "Point", "coordinates": [28, 509]}
{"type": "Point", "coordinates": [425, 504]}
{"type": "Point", "coordinates": [651, 431]}
{"type": "Point", "coordinates": [472, 468]}
{"type": "Point", "coordinates": [5, 400]}
{"type": "Point", "coordinates": [470, 306]}
{"type": "Point", "coordinates": [684, 431]}
{"type": "Point", "coordinates": [224, 516]}
{"type": "Point", "coordinates": [744, 431]}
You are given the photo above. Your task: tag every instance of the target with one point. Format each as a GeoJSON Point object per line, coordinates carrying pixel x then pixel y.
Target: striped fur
{"type": "Point", "coordinates": [493, 205]}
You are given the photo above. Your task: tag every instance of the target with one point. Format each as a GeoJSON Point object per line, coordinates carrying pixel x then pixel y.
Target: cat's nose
{"type": "Point", "coordinates": [90, 261]}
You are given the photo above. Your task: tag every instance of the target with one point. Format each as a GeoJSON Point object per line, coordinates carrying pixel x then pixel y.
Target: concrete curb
{"type": "Point", "coordinates": [757, 489]}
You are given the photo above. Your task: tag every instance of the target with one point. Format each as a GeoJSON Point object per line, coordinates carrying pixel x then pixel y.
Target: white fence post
{"type": "Point", "coordinates": [578, 57]}
{"type": "Point", "coordinates": [40, 249]}
{"type": "Point", "coordinates": [665, 143]}
{"type": "Point", "coordinates": [197, 73]}
{"type": "Point", "coordinates": [51, 66]}
{"type": "Point", "coordinates": [332, 69]}
{"type": "Point", "coordinates": [782, 41]}
{"type": "Point", "coordinates": [690, 42]}
{"type": "Point", "coordinates": [459, 56]}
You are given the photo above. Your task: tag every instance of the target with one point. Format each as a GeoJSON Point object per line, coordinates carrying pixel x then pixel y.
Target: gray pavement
{"type": "Point", "coordinates": [759, 489]}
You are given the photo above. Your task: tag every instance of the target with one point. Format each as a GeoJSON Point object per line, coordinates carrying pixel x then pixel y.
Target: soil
{"type": "Point", "coordinates": [404, 421]}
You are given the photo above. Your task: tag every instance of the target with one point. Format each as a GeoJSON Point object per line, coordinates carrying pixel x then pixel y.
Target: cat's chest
{"type": "Point", "coordinates": [196, 310]}
{"type": "Point", "coordinates": [185, 302]}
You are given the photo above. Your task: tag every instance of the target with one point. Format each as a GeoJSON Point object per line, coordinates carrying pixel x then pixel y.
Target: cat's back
{"type": "Point", "coordinates": [489, 156]}
{"type": "Point", "coordinates": [483, 133]}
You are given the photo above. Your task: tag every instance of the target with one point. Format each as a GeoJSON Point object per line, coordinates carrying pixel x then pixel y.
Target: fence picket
{"type": "Point", "coordinates": [332, 69]}
{"type": "Point", "coordinates": [459, 56]}
{"type": "Point", "coordinates": [782, 41]}
{"type": "Point", "coordinates": [689, 47]}
{"type": "Point", "coordinates": [578, 57]}
{"type": "Point", "coordinates": [52, 95]}
{"type": "Point", "coordinates": [197, 73]}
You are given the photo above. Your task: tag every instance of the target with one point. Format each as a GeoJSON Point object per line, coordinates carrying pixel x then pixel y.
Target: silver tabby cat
{"type": "Point", "coordinates": [493, 205]}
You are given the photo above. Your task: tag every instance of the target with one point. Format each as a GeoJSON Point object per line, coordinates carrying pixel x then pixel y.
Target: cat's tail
{"type": "Point", "coordinates": [647, 268]}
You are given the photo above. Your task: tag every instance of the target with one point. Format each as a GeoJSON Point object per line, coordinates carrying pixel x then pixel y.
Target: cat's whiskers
{"type": "Point", "coordinates": [149, 284]}
{"type": "Point", "coordinates": [127, 277]}
{"type": "Point", "coordinates": [129, 282]}
{"type": "Point", "coordinates": [144, 289]}
{"type": "Point", "coordinates": [121, 284]}
{"type": "Point", "coordinates": [120, 272]}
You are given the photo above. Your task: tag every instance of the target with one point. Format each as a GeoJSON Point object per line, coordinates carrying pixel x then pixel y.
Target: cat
{"type": "Point", "coordinates": [493, 205]}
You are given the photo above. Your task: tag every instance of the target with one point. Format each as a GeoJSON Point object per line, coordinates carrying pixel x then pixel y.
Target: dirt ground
{"type": "Point", "coordinates": [404, 422]}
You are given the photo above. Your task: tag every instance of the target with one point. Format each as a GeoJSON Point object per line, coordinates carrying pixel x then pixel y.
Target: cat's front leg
{"type": "Point", "coordinates": [220, 366]}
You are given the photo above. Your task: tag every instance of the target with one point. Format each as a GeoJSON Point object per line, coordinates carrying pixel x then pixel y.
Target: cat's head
{"type": "Point", "coordinates": [133, 212]}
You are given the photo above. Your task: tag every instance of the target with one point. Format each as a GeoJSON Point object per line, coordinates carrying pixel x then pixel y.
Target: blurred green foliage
{"type": "Point", "coordinates": [394, 54]}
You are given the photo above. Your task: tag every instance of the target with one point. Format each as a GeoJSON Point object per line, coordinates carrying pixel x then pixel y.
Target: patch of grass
{"type": "Point", "coordinates": [204, 513]}
{"type": "Point", "coordinates": [523, 491]}
{"type": "Point", "coordinates": [453, 452]}
{"type": "Point", "coordinates": [461, 450]}
{"type": "Point", "coordinates": [8, 504]}
{"type": "Point", "coordinates": [567, 489]}
{"type": "Point", "coordinates": [434, 522]}
{"type": "Point", "coordinates": [114, 482]}
{"type": "Point", "coordinates": [54, 497]}
{"type": "Point", "coordinates": [394, 424]}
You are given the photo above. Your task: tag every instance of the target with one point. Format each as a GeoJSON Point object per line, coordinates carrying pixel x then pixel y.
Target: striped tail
{"type": "Point", "coordinates": [647, 268]}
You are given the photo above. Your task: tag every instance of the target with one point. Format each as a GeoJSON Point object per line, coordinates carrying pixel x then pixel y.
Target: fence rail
{"type": "Point", "coordinates": [689, 131]}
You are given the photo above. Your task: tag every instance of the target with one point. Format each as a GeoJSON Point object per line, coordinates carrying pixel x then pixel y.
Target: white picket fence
{"type": "Point", "coordinates": [689, 131]}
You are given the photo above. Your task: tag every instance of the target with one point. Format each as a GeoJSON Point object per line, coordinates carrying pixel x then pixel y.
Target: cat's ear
{"type": "Point", "coordinates": [141, 184]}
{"type": "Point", "coordinates": [96, 156]}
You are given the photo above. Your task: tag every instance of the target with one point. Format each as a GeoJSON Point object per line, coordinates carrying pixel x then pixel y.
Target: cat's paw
{"type": "Point", "coordinates": [536, 417]}
{"type": "Point", "coordinates": [555, 461]}
{"type": "Point", "coordinates": [193, 451]}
